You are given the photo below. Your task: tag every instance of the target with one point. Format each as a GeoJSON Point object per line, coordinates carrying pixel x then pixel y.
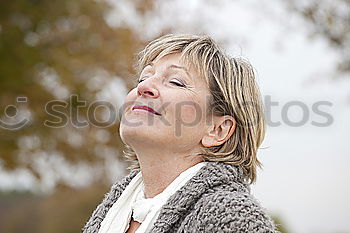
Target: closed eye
{"type": "Point", "coordinates": [178, 83]}
{"type": "Point", "coordinates": [141, 79]}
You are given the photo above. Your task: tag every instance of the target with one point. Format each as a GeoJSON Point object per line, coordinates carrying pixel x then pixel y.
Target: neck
{"type": "Point", "coordinates": [159, 169]}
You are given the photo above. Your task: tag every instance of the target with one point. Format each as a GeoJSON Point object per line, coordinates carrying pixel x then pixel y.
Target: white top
{"type": "Point", "coordinates": [144, 210]}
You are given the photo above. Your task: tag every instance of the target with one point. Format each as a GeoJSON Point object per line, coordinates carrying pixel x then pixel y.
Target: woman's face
{"type": "Point", "coordinates": [179, 98]}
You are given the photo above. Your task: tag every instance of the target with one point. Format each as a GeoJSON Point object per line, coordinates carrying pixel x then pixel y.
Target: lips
{"type": "Point", "coordinates": [144, 107]}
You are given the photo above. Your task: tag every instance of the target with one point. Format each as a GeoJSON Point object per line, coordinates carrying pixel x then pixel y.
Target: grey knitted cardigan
{"type": "Point", "coordinates": [215, 199]}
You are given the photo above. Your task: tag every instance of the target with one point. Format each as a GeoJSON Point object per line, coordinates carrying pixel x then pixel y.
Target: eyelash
{"type": "Point", "coordinates": [179, 84]}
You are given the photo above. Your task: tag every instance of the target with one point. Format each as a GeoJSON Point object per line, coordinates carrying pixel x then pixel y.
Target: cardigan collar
{"type": "Point", "coordinates": [209, 177]}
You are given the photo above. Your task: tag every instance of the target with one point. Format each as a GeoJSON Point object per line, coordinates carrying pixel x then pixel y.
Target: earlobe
{"type": "Point", "coordinates": [207, 141]}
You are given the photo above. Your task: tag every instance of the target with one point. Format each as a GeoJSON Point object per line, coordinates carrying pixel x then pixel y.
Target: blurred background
{"type": "Point", "coordinates": [54, 170]}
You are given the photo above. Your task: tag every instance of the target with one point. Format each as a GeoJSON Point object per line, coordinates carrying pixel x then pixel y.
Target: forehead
{"type": "Point", "coordinates": [174, 59]}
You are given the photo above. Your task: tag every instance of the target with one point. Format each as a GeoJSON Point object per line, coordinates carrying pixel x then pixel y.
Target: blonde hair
{"type": "Point", "coordinates": [234, 92]}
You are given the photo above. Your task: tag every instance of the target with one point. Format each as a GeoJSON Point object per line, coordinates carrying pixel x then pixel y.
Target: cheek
{"type": "Point", "coordinates": [129, 99]}
{"type": "Point", "coordinates": [190, 115]}
{"type": "Point", "coordinates": [131, 95]}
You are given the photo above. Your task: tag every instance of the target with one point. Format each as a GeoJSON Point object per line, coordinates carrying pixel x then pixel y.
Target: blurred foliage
{"type": "Point", "coordinates": [50, 50]}
{"type": "Point", "coordinates": [67, 210]}
{"type": "Point", "coordinates": [331, 21]}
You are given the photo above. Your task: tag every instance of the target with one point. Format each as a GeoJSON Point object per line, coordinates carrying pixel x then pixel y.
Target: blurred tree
{"type": "Point", "coordinates": [329, 19]}
{"type": "Point", "coordinates": [53, 50]}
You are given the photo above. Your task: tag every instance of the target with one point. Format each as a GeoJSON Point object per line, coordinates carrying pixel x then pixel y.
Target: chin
{"type": "Point", "coordinates": [127, 133]}
{"type": "Point", "coordinates": [130, 135]}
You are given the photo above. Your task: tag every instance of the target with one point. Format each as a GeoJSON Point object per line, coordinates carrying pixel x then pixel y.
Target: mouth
{"type": "Point", "coordinates": [145, 108]}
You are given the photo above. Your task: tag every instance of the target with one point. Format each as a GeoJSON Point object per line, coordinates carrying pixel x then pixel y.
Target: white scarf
{"type": "Point", "coordinates": [144, 210]}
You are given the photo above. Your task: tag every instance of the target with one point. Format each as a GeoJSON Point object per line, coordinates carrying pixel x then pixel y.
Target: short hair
{"type": "Point", "coordinates": [233, 90]}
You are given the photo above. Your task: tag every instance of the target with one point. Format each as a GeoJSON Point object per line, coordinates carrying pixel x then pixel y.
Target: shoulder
{"type": "Point", "coordinates": [233, 211]}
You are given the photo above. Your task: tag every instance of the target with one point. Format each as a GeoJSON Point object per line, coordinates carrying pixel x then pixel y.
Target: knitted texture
{"type": "Point", "coordinates": [216, 199]}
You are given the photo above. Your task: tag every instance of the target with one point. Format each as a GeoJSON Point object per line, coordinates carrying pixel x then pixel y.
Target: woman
{"type": "Point", "coordinates": [192, 127]}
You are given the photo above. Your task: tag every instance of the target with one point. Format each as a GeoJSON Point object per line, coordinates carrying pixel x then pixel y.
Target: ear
{"type": "Point", "coordinates": [220, 131]}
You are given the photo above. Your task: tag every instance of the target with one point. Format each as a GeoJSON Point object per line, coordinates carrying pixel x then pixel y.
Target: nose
{"type": "Point", "coordinates": [147, 88]}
